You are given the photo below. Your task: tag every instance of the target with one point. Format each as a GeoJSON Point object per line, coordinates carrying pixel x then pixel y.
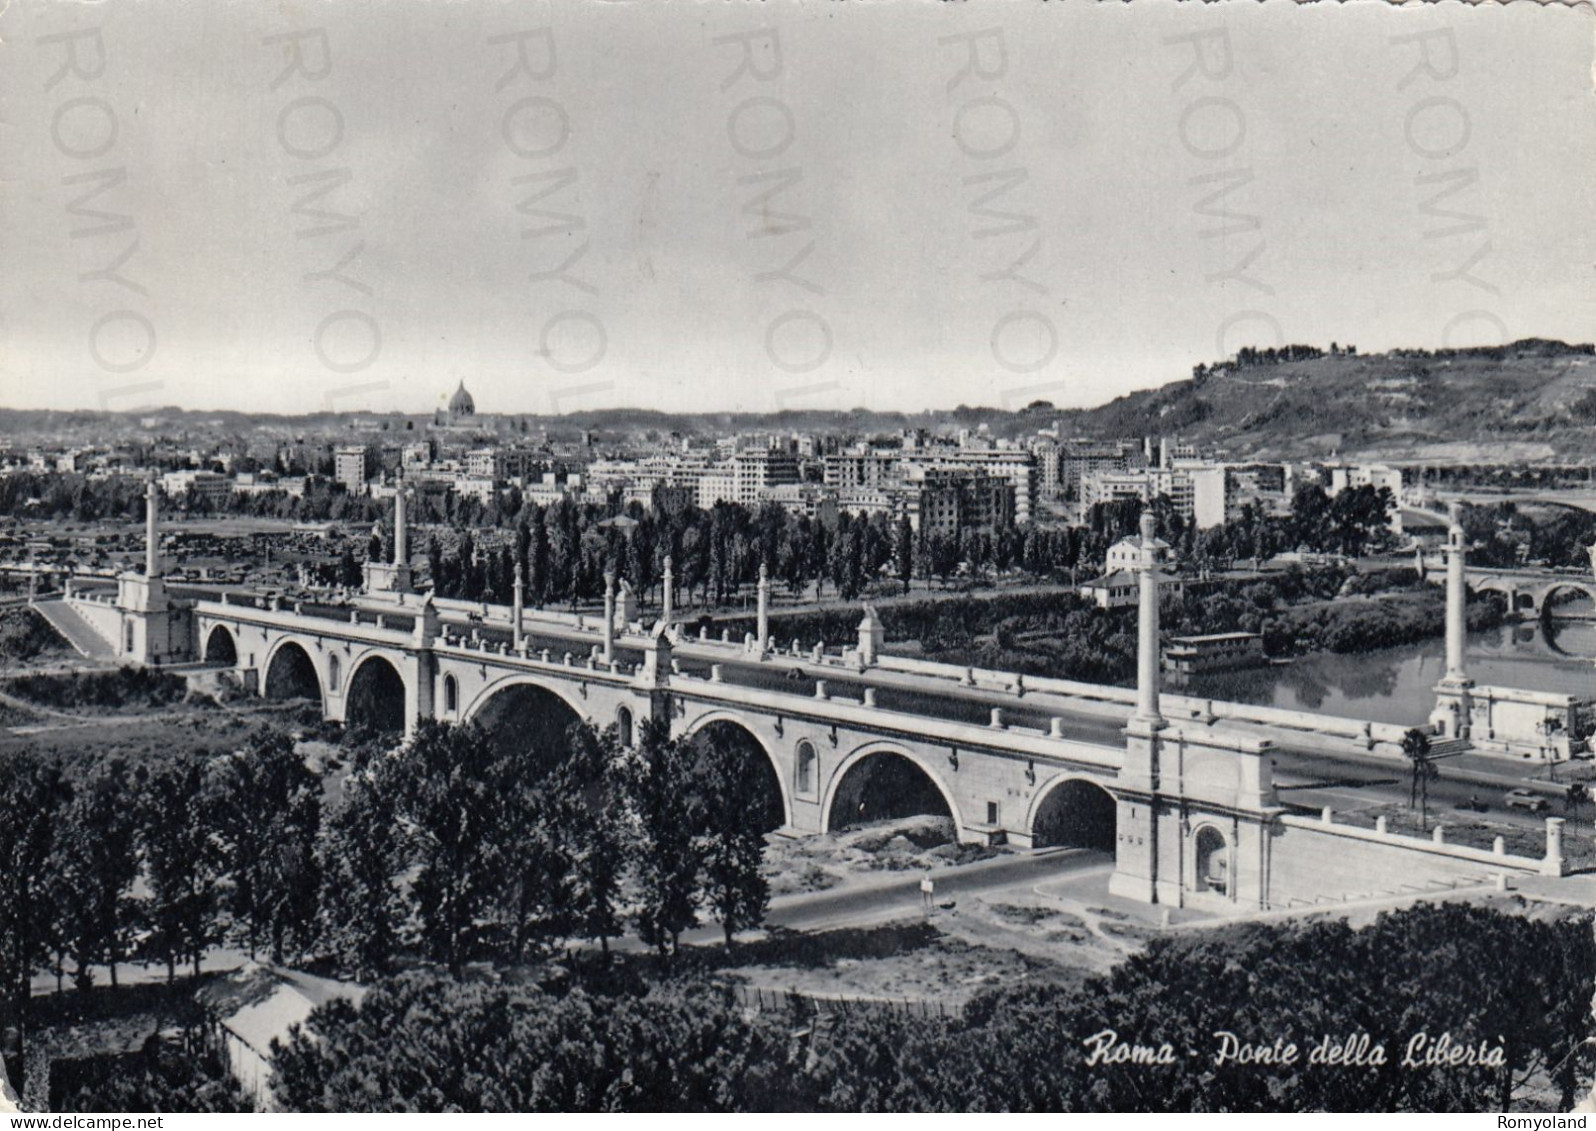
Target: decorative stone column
{"type": "Point", "coordinates": [609, 616]}
{"type": "Point", "coordinates": [1552, 865]}
{"type": "Point", "coordinates": [1147, 655]}
{"type": "Point", "coordinates": [401, 547]}
{"type": "Point", "coordinates": [516, 609]}
{"type": "Point", "coordinates": [668, 587]}
{"type": "Point", "coordinates": [1137, 823]}
{"type": "Point", "coordinates": [152, 533]}
{"type": "Point", "coordinates": [764, 609]}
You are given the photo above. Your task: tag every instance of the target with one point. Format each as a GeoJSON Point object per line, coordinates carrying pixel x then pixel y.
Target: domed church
{"type": "Point", "coordinates": [461, 416]}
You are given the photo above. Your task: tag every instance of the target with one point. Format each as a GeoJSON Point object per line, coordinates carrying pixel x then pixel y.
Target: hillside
{"type": "Point", "coordinates": [1532, 400]}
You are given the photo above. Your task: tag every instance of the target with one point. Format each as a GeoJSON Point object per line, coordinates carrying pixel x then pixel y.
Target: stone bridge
{"type": "Point", "coordinates": [1179, 789]}
{"type": "Point", "coordinates": [820, 727]}
{"type": "Point", "coordinates": [1532, 593]}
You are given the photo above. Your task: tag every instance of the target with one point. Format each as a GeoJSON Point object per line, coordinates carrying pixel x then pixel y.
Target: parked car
{"type": "Point", "coordinates": [1525, 799]}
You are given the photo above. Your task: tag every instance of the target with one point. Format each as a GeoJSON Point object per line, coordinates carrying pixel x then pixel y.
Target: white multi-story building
{"type": "Point", "coordinates": [716, 484]}
{"type": "Point", "coordinates": [868, 468]}
{"type": "Point", "coordinates": [1014, 464]}
{"type": "Point", "coordinates": [211, 486]}
{"type": "Point", "coordinates": [352, 467]}
{"type": "Point", "coordinates": [809, 500]}
{"type": "Point", "coordinates": [1144, 484]}
{"type": "Point", "coordinates": [1376, 475]}
{"type": "Point", "coordinates": [757, 470]}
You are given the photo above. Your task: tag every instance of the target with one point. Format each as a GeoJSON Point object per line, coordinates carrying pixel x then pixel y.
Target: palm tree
{"type": "Point", "coordinates": [1416, 749]}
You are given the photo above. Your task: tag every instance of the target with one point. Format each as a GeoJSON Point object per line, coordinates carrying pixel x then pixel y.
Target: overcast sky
{"type": "Point", "coordinates": [778, 220]}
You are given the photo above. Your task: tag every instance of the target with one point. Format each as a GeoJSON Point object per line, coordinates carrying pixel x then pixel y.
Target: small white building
{"type": "Point", "coordinates": [257, 1005]}
{"type": "Point", "coordinates": [1116, 590]}
{"type": "Point", "coordinates": [1127, 554]}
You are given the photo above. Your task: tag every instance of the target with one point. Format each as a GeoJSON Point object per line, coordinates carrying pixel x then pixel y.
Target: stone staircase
{"type": "Point", "coordinates": [1448, 747]}
{"type": "Point", "coordinates": [75, 630]}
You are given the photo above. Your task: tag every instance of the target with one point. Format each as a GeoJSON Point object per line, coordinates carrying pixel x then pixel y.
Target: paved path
{"type": "Point", "coordinates": [897, 894]}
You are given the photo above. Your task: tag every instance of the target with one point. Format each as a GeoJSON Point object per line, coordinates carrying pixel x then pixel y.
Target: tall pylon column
{"type": "Point", "coordinates": [401, 548]}
{"type": "Point", "coordinates": [152, 528]}
{"type": "Point", "coordinates": [1147, 656]}
{"type": "Point", "coordinates": [1456, 599]}
{"type": "Point", "coordinates": [764, 608]}
{"type": "Point", "coordinates": [609, 616]}
{"type": "Point", "coordinates": [515, 610]}
{"type": "Point", "coordinates": [668, 585]}
{"type": "Point", "coordinates": [1454, 703]}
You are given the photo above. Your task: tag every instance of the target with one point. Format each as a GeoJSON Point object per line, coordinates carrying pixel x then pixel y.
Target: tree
{"type": "Point", "coordinates": [666, 854]}
{"type": "Point", "coordinates": [732, 836]}
{"type": "Point", "coordinates": [33, 795]}
{"type": "Point", "coordinates": [181, 862]}
{"type": "Point", "coordinates": [348, 569]}
{"type": "Point", "coordinates": [446, 794]}
{"type": "Point", "coordinates": [266, 809]}
{"type": "Point", "coordinates": [100, 863]}
{"type": "Point", "coordinates": [589, 805]}
{"type": "Point", "coordinates": [1416, 749]}
{"type": "Point", "coordinates": [361, 854]}
{"type": "Point", "coordinates": [903, 551]}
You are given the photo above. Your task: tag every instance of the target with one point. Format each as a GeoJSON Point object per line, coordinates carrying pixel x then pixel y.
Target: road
{"type": "Point", "coordinates": [857, 904]}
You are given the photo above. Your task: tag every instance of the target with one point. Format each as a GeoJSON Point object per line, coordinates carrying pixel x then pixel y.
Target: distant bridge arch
{"type": "Point", "coordinates": [1549, 600]}
{"type": "Point", "coordinates": [1530, 594]}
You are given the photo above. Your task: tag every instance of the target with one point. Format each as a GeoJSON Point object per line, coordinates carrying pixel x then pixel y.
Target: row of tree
{"type": "Point", "coordinates": [455, 846]}
{"type": "Point", "coordinates": [565, 550]}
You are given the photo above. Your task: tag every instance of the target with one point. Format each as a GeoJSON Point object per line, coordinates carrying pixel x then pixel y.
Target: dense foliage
{"type": "Point", "coordinates": [429, 1043]}
{"type": "Point", "coordinates": [120, 687]}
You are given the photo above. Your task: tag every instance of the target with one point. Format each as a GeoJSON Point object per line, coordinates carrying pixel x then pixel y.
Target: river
{"type": "Point", "coordinates": [1396, 685]}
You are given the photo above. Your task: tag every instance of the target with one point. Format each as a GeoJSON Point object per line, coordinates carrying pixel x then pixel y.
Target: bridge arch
{"type": "Point", "coordinates": [376, 695]}
{"type": "Point", "coordinates": [291, 672]}
{"type": "Point", "coordinates": [1558, 593]}
{"type": "Point", "coordinates": [776, 787]}
{"type": "Point", "coordinates": [221, 646]}
{"type": "Point", "coordinates": [527, 717]}
{"type": "Point", "coordinates": [506, 683]}
{"type": "Point", "coordinates": [1075, 811]}
{"type": "Point", "coordinates": [852, 777]}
